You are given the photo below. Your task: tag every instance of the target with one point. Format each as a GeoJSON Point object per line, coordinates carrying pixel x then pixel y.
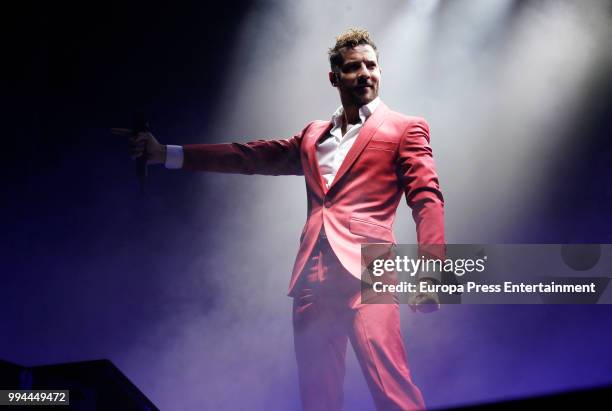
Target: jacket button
{"type": "Point", "coordinates": [327, 203]}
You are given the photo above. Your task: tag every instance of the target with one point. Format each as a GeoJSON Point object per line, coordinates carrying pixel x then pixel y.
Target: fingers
{"type": "Point", "coordinates": [137, 143]}
{"type": "Point", "coordinates": [425, 299]}
{"type": "Point", "coordinates": [428, 308]}
{"type": "Point", "coordinates": [126, 132]}
{"type": "Point", "coordinates": [140, 137]}
{"type": "Point", "coordinates": [140, 144]}
{"type": "Point", "coordinates": [134, 154]}
{"type": "Point", "coordinates": [425, 303]}
{"type": "Point", "coordinates": [138, 147]}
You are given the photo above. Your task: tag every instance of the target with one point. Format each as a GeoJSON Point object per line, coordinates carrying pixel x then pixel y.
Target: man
{"type": "Point", "coordinates": [357, 167]}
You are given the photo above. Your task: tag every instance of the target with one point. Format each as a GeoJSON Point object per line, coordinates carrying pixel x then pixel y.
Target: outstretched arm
{"type": "Point", "coordinates": [267, 157]}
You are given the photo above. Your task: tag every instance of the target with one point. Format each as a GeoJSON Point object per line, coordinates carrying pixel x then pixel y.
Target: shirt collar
{"type": "Point", "coordinates": [365, 111]}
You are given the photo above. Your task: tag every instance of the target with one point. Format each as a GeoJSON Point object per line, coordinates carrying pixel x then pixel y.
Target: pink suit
{"type": "Point", "coordinates": [391, 157]}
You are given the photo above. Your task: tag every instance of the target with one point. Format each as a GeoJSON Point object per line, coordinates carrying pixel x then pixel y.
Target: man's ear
{"type": "Point", "coordinates": [333, 78]}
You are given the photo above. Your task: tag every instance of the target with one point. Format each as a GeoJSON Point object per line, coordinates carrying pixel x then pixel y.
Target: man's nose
{"type": "Point", "coordinates": [363, 71]}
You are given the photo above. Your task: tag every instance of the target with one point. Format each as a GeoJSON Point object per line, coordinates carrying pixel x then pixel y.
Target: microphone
{"type": "Point", "coordinates": [141, 126]}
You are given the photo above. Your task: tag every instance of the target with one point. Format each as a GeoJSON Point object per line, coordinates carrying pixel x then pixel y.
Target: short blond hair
{"type": "Point", "coordinates": [351, 37]}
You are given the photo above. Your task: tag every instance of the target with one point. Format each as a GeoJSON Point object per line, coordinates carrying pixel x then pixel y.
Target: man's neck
{"type": "Point", "coordinates": [350, 116]}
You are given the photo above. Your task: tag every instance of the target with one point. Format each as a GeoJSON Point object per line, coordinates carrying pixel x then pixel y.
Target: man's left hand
{"type": "Point", "coordinates": [425, 302]}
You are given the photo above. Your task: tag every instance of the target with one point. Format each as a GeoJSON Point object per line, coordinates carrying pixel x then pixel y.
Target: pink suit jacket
{"type": "Point", "coordinates": [391, 156]}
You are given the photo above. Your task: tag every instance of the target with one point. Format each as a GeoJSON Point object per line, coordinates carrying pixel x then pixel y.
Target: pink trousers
{"type": "Point", "coordinates": [327, 313]}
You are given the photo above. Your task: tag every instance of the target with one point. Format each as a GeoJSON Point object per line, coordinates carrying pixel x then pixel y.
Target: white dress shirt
{"type": "Point", "coordinates": [331, 149]}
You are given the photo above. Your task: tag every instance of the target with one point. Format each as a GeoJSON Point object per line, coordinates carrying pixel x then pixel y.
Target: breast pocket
{"type": "Point", "coordinates": [385, 145]}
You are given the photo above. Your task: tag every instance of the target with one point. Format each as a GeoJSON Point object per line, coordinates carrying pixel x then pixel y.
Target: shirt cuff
{"type": "Point", "coordinates": [174, 156]}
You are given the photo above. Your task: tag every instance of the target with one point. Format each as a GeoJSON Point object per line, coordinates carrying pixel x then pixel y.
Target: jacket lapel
{"type": "Point", "coordinates": [366, 133]}
{"type": "Point", "coordinates": [311, 153]}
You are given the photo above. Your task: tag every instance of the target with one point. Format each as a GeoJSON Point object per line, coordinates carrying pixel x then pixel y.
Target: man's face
{"type": "Point", "coordinates": [358, 77]}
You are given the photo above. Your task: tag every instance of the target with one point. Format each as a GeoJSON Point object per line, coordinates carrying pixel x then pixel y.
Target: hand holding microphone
{"type": "Point", "coordinates": [144, 148]}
